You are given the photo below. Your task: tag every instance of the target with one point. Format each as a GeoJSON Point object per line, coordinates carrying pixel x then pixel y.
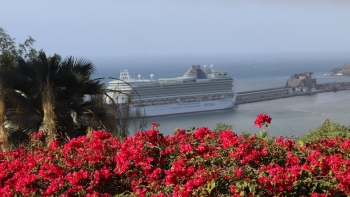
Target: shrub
{"type": "Point", "coordinates": [222, 127]}
{"type": "Point", "coordinates": [327, 130]}
{"type": "Point", "coordinates": [196, 162]}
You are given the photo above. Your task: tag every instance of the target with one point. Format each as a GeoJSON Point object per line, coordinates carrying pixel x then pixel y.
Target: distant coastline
{"type": "Point", "coordinates": [345, 71]}
{"type": "Point", "coordinates": [332, 74]}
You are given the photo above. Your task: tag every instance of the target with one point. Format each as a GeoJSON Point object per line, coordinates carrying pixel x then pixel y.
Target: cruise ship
{"type": "Point", "coordinates": [197, 90]}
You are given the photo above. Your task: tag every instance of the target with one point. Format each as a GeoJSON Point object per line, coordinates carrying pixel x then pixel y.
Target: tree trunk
{"type": "Point", "coordinates": [3, 133]}
{"type": "Point", "coordinates": [89, 131]}
{"type": "Point", "coordinates": [48, 124]}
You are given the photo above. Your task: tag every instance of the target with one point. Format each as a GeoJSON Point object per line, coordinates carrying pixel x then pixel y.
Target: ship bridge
{"type": "Point", "coordinates": [195, 72]}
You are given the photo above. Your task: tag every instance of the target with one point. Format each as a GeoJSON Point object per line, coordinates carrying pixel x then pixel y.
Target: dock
{"type": "Point", "coordinates": [299, 85]}
{"type": "Point", "coordinates": [264, 94]}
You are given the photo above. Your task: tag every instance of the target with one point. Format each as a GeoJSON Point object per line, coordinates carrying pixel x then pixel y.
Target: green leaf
{"type": "Point", "coordinates": [242, 193]}
{"type": "Point", "coordinates": [252, 188]}
{"type": "Point", "coordinates": [300, 143]}
{"type": "Point", "coordinates": [238, 184]}
{"type": "Point", "coordinates": [210, 186]}
{"type": "Point", "coordinates": [245, 184]}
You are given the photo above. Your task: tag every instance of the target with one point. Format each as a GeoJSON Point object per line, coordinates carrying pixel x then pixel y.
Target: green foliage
{"type": "Point", "coordinates": [193, 162]}
{"type": "Point", "coordinates": [9, 51]}
{"type": "Point", "coordinates": [327, 130]}
{"type": "Point", "coordinates": [222, 127]}
{"type": "Point", "coordinates": [77, 99]}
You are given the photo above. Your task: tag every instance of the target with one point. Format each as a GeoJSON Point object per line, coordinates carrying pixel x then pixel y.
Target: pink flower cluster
{"type": "Point", "coordinates": [199, 163]}
{"type": "Point", "coordinates": [155, 125]}
{"type": "Point", "coordinates": [262, 119]}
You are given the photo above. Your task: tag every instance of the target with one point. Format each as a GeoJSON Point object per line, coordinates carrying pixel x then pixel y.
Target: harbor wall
{"type": "Point", "coordinates": [284, 92]}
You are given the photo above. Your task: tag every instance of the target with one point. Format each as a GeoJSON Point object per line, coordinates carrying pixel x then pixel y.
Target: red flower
{"type": "Point", "coordinates": [238, 172]}
{"type": "Point", "coordinates": [185, 148]}
{"type": "Point", "coordinates": [262, 119]}
{"type": "Point", "coordinates": [318, 195]}
{"type": "Point", "coordinates": [155, 125]}
{"type": "Point", "coordinates": [232, 189]}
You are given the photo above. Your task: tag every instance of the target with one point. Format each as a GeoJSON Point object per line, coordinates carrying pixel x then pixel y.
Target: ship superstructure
{"type": "Point", "coordinates": [197, 90]}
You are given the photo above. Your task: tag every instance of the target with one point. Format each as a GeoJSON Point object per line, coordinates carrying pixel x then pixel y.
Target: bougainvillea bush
{"type": "Point", "coordinates": [195, 162]}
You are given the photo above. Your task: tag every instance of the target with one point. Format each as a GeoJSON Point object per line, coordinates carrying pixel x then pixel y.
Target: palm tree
{"type": "Point", "coordinates": [55, 96]}
{"type": "Point", "coordinates": [3, 134]}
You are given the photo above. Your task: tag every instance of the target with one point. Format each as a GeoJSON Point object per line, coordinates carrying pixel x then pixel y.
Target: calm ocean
{"type": "Point", "coordinates": [290, 116]}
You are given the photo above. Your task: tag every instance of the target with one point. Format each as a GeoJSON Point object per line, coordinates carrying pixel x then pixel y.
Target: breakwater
{"type": "Point", "coordinates": [283, 92]}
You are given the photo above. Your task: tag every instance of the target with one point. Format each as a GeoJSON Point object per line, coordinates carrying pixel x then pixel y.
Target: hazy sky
{"type": "Point", "coordinates": [118, 28]}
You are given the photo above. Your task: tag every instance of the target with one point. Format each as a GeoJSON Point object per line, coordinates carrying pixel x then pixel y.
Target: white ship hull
{"type": "Point", "coordinates": [198, 90]}
{"type": "Point", "coordinates": [181, 108]}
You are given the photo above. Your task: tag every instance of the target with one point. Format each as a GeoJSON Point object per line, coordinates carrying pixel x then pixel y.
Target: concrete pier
{"type": "Point", "coordinates": [283, 92]}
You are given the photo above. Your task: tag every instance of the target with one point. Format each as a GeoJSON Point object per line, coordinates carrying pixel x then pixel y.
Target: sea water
{"type": "Point", "coordinates": [290, 116]}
